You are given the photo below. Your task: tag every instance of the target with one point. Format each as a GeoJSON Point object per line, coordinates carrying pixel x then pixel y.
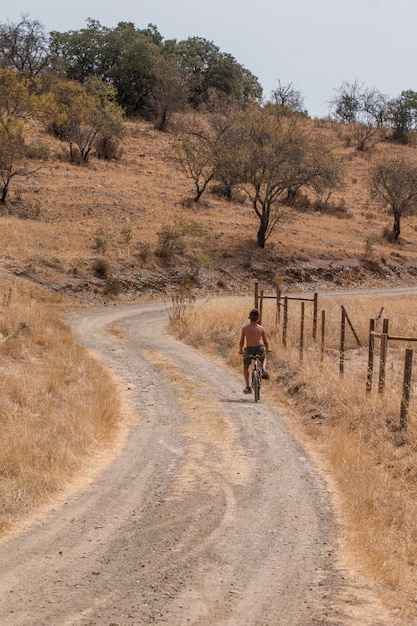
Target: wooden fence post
{"type": "Point", "coordinates": [323, 325]}
{"type": "Point", "coordinates": [370, 370]}
{"type": "Point", "coordinates": [285, 322]}
{"type": "Point", "coordinates": [261, 304]}
{"type": "Point", "coordinates": [315, 312]}
{"type": "Point", "coordinates": [342, 343]}
{"type": "Point", "coordinates": [302, 331]}
{"type": "Point", "coordinates": [256, 294]}
{"type": "Point", "coordinates": [405, 401]}
{"type": "Point", "coordinates": [382, 362]}
{"type": "Point", "coordinates": [383, 355]}
{"type": "Point", "coordinates": [278, 314]}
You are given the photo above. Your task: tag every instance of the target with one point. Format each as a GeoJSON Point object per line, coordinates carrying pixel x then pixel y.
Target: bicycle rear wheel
{"type": "Point", "coordinates": [256, 385]}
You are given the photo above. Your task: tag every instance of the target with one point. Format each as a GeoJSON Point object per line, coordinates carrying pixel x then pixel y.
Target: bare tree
{"type": "Point", "coordinates": [365, 109]}
{"type": "Point", "coordinates": [193, 151]}
{"type": "Point", "coordinates": [24, 47]}
{"type": "Point", "coordinates": [288, 97]}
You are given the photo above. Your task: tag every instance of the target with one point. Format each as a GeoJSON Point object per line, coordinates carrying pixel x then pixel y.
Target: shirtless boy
{"type": "Point", "coordinates": [256, 343]}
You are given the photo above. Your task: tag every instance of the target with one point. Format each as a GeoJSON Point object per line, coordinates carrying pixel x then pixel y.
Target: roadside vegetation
{"type": "Point", "coordinates": [353, 436]}
{"type": "Point", "coordinates": [58, 405]}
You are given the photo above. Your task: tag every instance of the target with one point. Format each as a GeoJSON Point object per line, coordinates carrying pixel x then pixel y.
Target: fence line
{"type": "Point", "coordinates": [384, 337]}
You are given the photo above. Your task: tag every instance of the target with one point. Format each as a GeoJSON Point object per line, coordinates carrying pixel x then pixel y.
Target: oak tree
{"type": "Point", "coordinates": [269, 156]}
{"type": "Point", "coordinates": [393, 184]}
{"type": "Point", "coordinates": [17, 104]}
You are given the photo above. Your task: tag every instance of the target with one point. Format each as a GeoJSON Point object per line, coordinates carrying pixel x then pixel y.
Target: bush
{"type": "Point", "coordinates": [113, 286]}
{"type": "Point", "coordinates": [39, 152]}
{"type": "Point", "coordinates": [170, 243]}
{"type": "Point", "coordinates": [331, 208]}
{"type": "Point", "coordinates": [144, 250]}
{"type": "Point", "coordinates": [389, 235]}
{"type": "Point", "coordinates": [108, 148]}
{"type": "Point", "coordinates": [101, 268]}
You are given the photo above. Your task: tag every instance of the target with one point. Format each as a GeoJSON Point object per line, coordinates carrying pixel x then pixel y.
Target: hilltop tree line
{"type": "Point", "coordinates": [81, 85]}
{"type": "Point", "coordinates": [152, 77]}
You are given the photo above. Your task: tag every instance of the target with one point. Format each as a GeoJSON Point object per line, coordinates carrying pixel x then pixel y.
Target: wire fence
{"type": "Point", "coordinates": [301, 323]}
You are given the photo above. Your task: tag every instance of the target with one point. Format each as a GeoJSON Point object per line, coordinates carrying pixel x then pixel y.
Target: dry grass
{"type": "Point", "coordinates": [92, 232]}
{"type": "Point", "coordinates": [353, 435]}
{"type": "Point", "coordinates": [57, 404]}
{"type": "Point", "coordinates": [113, 212]}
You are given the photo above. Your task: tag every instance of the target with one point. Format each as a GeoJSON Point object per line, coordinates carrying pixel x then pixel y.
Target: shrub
{"type": "Point", "coordinates": [101, 268]}
{"type": "Point", "coordinates": [170, 243]}
{"type": "Point", "coordinates": [113, 286]}
{"type": "Point", "coordinates": [202, 258]}
{"type": "Point", "coordinates": [332, 208]}
{"type": "Point", "coordinates": [389, 235]}
{"type": "Point", "coordinates": [39, 152]}
{"type": "Point", "coordinates": [144, 250]}
{"type": "Point", "coordinates": [126, 234]}
{"type": "Point", "coordinates": [108, 148]}
{"type": "Point", "coordinates": [100, 244]}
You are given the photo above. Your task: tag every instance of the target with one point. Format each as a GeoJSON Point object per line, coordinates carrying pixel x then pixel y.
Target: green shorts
{"type": "Point", "coordinates": [252, 350]}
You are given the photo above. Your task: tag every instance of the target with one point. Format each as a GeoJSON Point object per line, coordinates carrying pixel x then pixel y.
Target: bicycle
{"type": "Point", "coordinates": [256, 376]}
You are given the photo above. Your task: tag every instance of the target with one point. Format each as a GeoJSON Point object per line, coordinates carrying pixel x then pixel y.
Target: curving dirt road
{"type": "Point", "coordinates": [207, 512]}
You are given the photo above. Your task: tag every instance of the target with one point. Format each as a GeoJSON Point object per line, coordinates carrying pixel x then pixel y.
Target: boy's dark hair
{"type": "Point", "coordinates": [254, 314]}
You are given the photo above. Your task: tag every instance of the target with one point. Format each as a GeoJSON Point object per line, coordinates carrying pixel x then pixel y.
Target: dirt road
{"type": "Point", "coordinates": [207, 512]}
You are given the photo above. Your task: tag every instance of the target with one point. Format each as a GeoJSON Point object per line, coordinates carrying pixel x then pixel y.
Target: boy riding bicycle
{"type": "Point", "coordinates": [256, 343]}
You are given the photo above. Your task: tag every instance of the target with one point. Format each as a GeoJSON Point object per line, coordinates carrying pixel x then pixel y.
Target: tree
{"type": "Point", "coordinates": [123, 56]}
{"type": "Point", "coordinates": [375, 104]}
{"type": "Point", "coordinates": [16, 105]}
{"type": "Point", "coordinates": [132, 71]}
{"type": "Point", "coordinates": [346, 105]}
{"type": "Point", "coordinates": [109, 117]}
{"type": "Point", "coordinates": [193, 151]}
{"type": "Point", "coordinates": [269, 156]}
{"type": "Point", "coordinates": [207, 68]}
{"type": "Point", "coordinates": [402, 112]}
{"type": "Point", "coordinates": [12, 152]}
{"type": "Point", "coordinates": [81, 114]}
{"type": "Point", "coordinates": [170, 91]}
{"type": "Point", "coordinates": [16, 101]}
{"type": "Point", "coordinates": [130, 59]}
{"type": "Point", "coordinates": [288, 98]}
{"type": "Point", "coordinates": [393, 183]}
{"type": "Point", "coordinates": [365, 109]}
{"type": "Point", "coordinates": [24, 47]}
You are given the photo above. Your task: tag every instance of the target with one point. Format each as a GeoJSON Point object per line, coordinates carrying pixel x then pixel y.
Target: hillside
{"type": "Point", "coordinates": [91, 232]}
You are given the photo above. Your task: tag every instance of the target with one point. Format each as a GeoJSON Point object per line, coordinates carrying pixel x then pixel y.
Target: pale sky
{"type": "Point", "coordinates": [313, 44]}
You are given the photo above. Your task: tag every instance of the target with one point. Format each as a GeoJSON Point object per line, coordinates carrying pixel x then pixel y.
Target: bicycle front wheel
{"type": "Point", "coordinates": [256, 386]}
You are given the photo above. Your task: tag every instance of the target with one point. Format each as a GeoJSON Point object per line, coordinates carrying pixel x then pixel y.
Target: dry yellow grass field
{"type": "Point", "coordinates": [58, 405]}
{"type": "Point", "coordinates": [84, 235]}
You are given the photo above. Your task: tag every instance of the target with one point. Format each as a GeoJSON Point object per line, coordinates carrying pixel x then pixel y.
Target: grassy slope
{"type": "Point", "coordinates": [114, 211]}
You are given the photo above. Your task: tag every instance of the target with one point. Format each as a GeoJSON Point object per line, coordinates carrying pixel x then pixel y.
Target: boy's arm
{"type": "Point", "coordinates": [241, 341]}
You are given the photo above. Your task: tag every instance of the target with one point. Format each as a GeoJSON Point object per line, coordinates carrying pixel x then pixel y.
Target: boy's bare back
{"type": "Point", "coordinates": [254, 334]}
